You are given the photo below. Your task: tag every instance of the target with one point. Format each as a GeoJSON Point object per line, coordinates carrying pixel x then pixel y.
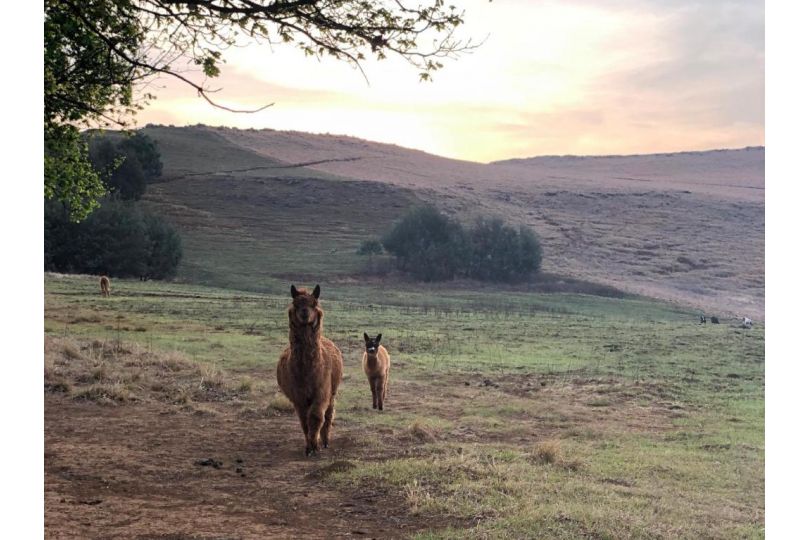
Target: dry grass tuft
{"type": "Point", "coordinates": [105, 393]}
{"type": "Point", "coordinates": [183, 395]}
{"type": "Point", "coordinates": [173, 361]}
{"type": "Point", "coordinates": [421, 433]}
{"type": "Point", "coordinates": [245, 385]}
{"type": "Point", "coordinates": [279, 402]}
{"type": "Point", "coordinates": [546, 452]}
{"type": "Point", "coordinates": [71, 351]}
{"type": "Point", "coordinates": [99, 373]}
{"type": "Point", "coordinates": [211, 377]}
{"type": "Point", "coordinates": [417, 496]}
{"type": "Point", "coordinates": [58, 387]}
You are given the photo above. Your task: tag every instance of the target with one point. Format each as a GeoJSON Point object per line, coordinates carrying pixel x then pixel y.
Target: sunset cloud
{"type": "Point", "coordinates": [612, 76]}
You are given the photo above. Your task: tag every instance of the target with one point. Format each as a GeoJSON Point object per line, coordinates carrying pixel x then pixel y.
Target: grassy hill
{"type": "Point", "coordinates": [247, 219]}
{"type": "Point", "coordinates": [253, 206]}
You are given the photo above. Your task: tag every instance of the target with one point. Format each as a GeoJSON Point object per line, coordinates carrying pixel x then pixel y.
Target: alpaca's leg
{"type": "Point", "coordinates": [373, 391]}
{"type": "Point", "coordinates": [325, 431]}
{"type": "Point", "coordinates": [380, 392]}
{"type": "Point", "coordinates": [302, 417]}
{"type": "Point", "coordinates": [314, 423]}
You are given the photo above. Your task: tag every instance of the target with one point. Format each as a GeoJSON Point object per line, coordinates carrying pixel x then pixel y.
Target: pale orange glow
{"type": "Point", "coordinates": [617, 76]}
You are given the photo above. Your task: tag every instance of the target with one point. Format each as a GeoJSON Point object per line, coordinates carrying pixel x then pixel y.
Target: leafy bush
{"type": "Point", "coordinates": [501, 252]}
{"type": "Point", "coordinates": [119, 239]}
{"type": "Point", "coordinates": [433, 247]}
{"type": "Point", "coordinates": [370, 248]}
{"type": "Point", "coordinates": [428, 245]}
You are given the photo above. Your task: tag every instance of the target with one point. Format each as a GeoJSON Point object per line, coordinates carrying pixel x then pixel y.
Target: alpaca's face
{"type": "Point", "coordinates": [305, 308]}
{"type": "Point", "coordinates": [372, 344]}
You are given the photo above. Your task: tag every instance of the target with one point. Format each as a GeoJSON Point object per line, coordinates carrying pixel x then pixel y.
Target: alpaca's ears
{"type": "Point", "coordinates": [367, 339]}
{"type": "Point", "coordinates": [316, 292]}
{"type": "Point", "coordinates": [294, 291]}
{"type": "Point", "coordinates": [379, 338]}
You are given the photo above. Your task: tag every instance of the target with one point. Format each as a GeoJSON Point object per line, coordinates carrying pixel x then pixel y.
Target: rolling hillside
{"type": "Point", "coordinates": [255, 206]}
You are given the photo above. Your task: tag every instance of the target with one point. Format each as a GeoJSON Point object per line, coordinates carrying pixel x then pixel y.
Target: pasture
{"type": "Point", "coordinates": [509, 415]}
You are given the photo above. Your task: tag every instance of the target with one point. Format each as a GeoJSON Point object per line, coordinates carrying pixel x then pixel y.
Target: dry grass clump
{"type": "Point", "coordinates": [71, 351]}
{"type": "Point", "coordinates": [112, 372]}
{"type": "Point", "coordinates": [417, 496]}
{"type": "Point", "coordinates": [547, 452]}
{"type": "Point", "coordinates": [174, 361]}
{"type": "Point", "coordinates": [279, 402]}
{"type": "Point", "coordinates": [245, 385]}
{"type": "Point", "coordinates": [105, 393]}
{"type": "Point", "coordinates": [183, 395]}
{"type": "Point", "coordinates": [99, 372]}
{"type": "Point", "coordinates": [58, 386]}
{"type": "Point", "coordinates": [421, 433]}
{"type": "Point", "coordinates": [211, 377]}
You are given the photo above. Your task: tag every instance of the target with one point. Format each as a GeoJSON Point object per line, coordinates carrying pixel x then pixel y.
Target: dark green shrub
{"type": "Point", "coordinates": [428, 245]}
{"type": "Point", "coordinates": [501, 252]}
{"type": "Point", "coordinates": [433, 247]}
{"type": "Point", "coordinates": [119, 239]}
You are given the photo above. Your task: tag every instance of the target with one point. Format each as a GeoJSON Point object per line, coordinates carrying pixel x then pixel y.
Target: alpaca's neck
{"type": "Point", "coordinates": [305, 341]}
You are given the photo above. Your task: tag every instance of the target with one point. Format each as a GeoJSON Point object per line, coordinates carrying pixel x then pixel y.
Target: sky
{"type": "Point", "coordinates": [587, 77]}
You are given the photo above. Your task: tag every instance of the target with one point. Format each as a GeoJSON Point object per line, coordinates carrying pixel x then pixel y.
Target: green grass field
{"type": "Point", "coordinates": [519, 415]}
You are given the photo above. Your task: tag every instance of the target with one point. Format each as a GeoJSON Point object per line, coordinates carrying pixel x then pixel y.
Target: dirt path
{"type": "Point", "coordinates": [132, 471]}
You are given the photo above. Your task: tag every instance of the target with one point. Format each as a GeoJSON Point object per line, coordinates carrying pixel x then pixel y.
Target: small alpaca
{"type": "Point", "coordinates": [310, 368]}
{"type": "Point", "coordinates": [376, 364]}
{"type": "Point", "coordinates": [104, 282]}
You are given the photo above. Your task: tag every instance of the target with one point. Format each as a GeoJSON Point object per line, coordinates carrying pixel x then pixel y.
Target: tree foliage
{"type": "Point", "coordinates": [433, 247]}
{"type": "Point", "coordinates": [101, 54]}
{"type": "Point", "coordinates": [144, 149]}
{"type": "Point", "coordinates": [119, 239]}
{"type": "Point", "coordinates": [83, 84]}
{"type": "Point", "coordinates": [69, 176]}
{"type": "Point", "coordinates": [125, 164]}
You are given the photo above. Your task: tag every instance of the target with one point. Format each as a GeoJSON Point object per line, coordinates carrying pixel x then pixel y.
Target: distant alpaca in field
{"type": "Point", "coordinates": [376, 364]}
{"type": "Point", "coordinates": [310, 368]}
{"type": "Point", "coordinates": [104, 282]}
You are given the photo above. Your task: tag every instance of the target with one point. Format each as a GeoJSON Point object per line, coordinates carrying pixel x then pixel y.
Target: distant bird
{"type": "Point", "coordinates": [715, 320]}
{"type": "Point", "coordinates": [702, 319]}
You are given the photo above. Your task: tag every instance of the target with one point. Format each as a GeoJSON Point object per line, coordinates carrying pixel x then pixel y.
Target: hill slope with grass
{"type": "Point", "coordinates": [259, 204]}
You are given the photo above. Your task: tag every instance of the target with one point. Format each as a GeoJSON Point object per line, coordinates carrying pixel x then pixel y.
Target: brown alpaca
{"type": "Point", "coordinates": [376, 364]}
{"type": "Point", "coordinates": [105, 285]}
{"type": "Point", "coordinates": [310, 369]}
